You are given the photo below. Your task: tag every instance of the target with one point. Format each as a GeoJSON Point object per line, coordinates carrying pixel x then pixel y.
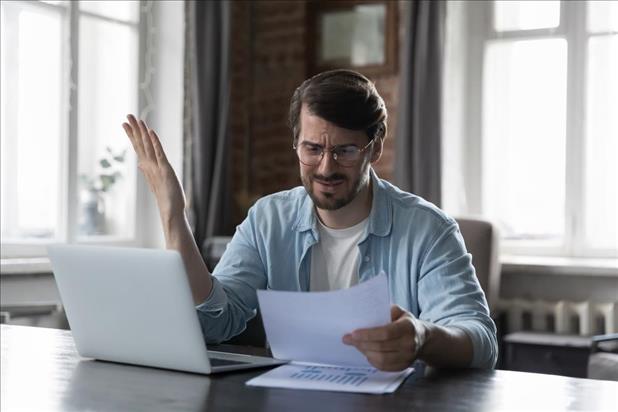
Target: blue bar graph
{"type": "Point", "coordinates": [334, 374]}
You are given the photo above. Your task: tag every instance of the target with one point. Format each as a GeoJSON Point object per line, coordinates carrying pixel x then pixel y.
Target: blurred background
{"type": "Point", "coordinates": [499, 111]}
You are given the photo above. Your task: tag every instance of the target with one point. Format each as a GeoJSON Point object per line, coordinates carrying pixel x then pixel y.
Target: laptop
{"type": "Point", "coordinates": [135, 306]}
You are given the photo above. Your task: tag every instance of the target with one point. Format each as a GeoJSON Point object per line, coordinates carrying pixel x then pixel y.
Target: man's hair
{"type": "Point", "coordinates": [343, 97]}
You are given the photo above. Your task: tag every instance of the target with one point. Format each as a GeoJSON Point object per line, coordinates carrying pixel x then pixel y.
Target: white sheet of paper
{"type": "Point", "coordinates": [331, 378]}
{"type": "Point", "coordinates": [308, 326]}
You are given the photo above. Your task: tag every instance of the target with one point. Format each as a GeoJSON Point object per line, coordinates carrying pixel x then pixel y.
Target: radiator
{"type": "Point", "coordinates": [574, 318]}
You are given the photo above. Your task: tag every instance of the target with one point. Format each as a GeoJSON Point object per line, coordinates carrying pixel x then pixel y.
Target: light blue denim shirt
{"type": "Point", "coordinates": [421, 250]}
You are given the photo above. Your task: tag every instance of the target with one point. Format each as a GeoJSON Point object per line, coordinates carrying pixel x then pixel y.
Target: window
{"type": "Point", "coordinates": [69, 76]}
{"type": "Point", "coordinates": [541, 130]}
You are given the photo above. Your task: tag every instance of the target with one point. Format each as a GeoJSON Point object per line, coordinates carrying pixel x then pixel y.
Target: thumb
{"type": "Point", "coordinates": [396, 312]}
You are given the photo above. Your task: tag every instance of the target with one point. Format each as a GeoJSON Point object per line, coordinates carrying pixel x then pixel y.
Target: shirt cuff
{"type": "Point", "coordinates": [484, 348]}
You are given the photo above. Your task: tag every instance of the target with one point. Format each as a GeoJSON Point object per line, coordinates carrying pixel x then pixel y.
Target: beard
{"type": "Point", "coordinates": [331, 201]}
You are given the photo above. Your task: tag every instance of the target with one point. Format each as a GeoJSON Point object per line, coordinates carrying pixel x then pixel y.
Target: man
{"type": "Point", "coordinates": [343, 226]}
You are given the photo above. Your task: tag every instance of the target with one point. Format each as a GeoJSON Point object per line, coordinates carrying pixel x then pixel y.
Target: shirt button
{"type": "Point", "coordinates": [366, 258]}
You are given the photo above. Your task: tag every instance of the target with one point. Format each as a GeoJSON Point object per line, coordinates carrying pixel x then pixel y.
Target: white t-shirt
{"type": "Point", "coordinates": [335, 258]}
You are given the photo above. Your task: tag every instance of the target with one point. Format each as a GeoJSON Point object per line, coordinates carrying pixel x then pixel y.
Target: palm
{"type": "Point", "coordinates": [153, 163]}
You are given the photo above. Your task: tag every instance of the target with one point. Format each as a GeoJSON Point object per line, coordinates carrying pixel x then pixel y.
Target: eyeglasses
{"type": "Point", "coordinates": [347, 155]}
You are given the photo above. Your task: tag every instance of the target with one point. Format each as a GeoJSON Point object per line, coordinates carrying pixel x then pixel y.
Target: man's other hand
{"type": "Point", "coordinates": [392, 347]}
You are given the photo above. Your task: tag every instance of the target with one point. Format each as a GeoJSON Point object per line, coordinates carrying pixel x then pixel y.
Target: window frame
{"type": "Point", "coordinates": [572, 28]}
{"type": "Point", "coordinates": [69, 187]}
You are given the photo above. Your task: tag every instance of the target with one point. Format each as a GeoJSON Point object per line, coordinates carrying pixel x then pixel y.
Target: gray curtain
{"type": "Point", "coordinates": [207, 92]}
{"type": "Point", "coordinates": [418, 139]}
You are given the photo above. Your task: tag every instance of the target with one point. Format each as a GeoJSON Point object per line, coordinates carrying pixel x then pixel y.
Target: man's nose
{"type": "Point", "coordinates": [327, 164]}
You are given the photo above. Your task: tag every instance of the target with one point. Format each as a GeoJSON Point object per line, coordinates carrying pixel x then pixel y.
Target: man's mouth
{"type": "Point", "coordinates": [328, 185]}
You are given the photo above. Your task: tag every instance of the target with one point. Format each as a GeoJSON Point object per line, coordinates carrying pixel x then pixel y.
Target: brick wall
{"type": "Point", "coordinates": [267, 64]}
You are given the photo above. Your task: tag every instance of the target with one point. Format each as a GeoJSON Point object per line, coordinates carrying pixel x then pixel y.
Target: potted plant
{"type": "Point", "coordinates": [94, 188]}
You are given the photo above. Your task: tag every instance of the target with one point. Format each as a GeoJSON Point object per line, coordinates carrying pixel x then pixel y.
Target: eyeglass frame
{"type": "Point", "coordinates": [332, 153]}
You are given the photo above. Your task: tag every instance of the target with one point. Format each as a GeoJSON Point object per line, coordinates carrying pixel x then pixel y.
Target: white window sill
{"type": "Point", "coordinates": [25, 266]}
{"type": "Point", "coordinates": [510, 263]}
{"type": "Point", "coordinates": [560, 265]}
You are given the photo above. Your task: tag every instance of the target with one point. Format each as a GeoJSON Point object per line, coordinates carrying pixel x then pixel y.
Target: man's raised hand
{"type": "Point", "coordinates": [153, 163]}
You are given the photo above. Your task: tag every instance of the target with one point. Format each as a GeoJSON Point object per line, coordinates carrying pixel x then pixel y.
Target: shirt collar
{"type": "Point", "coordinates": [380, 217]}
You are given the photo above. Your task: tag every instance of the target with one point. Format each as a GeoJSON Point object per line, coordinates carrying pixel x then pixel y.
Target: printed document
{"type": "Point", "coordinates": [331, 378]}
{"type": "Point", "coordinates": [306, 328]}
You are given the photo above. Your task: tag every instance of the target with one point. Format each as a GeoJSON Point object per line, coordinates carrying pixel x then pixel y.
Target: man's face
{"type": "Point", "coordinates": [330, 185]}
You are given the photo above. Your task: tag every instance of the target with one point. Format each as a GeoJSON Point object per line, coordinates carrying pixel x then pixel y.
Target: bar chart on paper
{"type": "Point", "coordinates": [331, 378]}
{"type": "Point", "coordinates": [334, 374]}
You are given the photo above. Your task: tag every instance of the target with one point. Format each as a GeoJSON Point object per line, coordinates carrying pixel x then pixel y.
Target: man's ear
{"type": "Point", "coordinates": [376, 150]}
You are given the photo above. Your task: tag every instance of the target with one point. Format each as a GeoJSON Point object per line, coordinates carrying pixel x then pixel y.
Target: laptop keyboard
{"type": "Point", "coordinates": [225, 362]}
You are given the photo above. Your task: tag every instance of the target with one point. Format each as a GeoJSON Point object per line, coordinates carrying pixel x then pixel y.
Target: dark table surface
{"type": "Point", "coordinates": [41, 371]}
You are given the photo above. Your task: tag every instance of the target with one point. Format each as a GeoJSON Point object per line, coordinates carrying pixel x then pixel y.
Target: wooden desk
{"type": "Point", "coordinates": [41, 371]}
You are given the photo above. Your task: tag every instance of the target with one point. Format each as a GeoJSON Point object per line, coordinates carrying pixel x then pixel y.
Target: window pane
{"type": "Point", "coordinates": [602, 16]}
{"type": "Point", "coordinates": [108, 85]}
{"type": "Point", "coordinates": [32, 109]}
{"type": "Point", "coordinates": [601, 220]}
{"type": "Point", "coordinates": [524, 109]}
{"type": "Point", "coordinates": [355, 36]}
{"type": "Point", "coordinates": [121, 10]}
{"type": "Point", "coordinates": [526, 15]}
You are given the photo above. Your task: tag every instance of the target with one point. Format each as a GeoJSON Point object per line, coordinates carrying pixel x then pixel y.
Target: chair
{"type": "Point", "coordinates": [482, 242]}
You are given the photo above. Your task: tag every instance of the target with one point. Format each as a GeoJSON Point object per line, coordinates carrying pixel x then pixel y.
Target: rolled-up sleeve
{"type": "Point", "coordinates": [237, 276]}
{"type": "Point", "coordinates": [449, 294]}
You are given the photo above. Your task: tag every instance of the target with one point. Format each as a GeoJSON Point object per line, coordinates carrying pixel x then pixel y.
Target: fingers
{"type": "Point", "coordinates": [156, 145]}
{"type": "Point", "coordinates": [395, 336]}
{"type": "Point", "coordinates": [393, 355]}
{"type": "Point", "coordinates": [391, 331]}
{"type": "Point", "coordinates": [390, 347]}
{"type": "Point", "coordinates": [146, 140]}
{"type": "Point", "coordinates": [389, 361]}
{"type": "Point", "coordinates": [133, 131]}
{"type": "Point", "coordinates": [129, 131]}
{"type": "Point", "coordinates": [398, 327]}
{"type": "Point", "coordinates": [397, 312]}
